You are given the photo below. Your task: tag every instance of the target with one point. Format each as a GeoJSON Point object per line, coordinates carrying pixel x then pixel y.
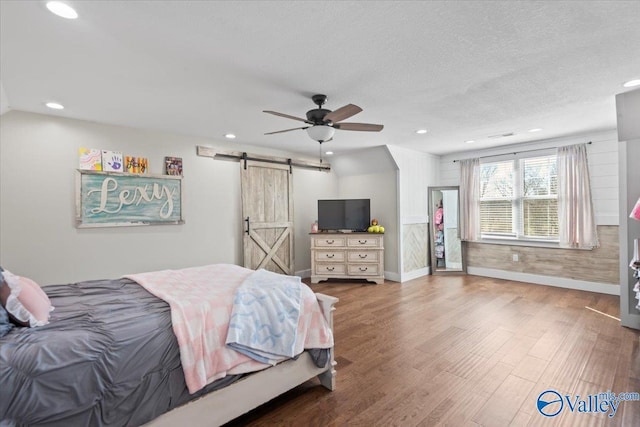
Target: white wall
{"type": "Point", "coordinates": [417, 172]}
{"type": "Point", "coordinates": [603, 168]}
{"type": "Point", "coordinates": [38, 239]}
{"type": "Point", "coordinates": [4, 101]}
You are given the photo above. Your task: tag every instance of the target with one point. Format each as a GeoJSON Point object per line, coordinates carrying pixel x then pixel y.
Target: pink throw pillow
{"type": "Point", "coordinates": [24, 300]}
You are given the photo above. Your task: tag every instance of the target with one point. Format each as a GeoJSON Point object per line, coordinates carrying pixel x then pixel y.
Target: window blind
{"type": "Point", "coordinates": [497, 196]}
{"type": "Point", "coordinates": [519, 198]}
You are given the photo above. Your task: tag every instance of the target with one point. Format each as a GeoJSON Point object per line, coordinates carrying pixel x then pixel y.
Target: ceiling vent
{"type": "Point", "coordinates": [501, 135]}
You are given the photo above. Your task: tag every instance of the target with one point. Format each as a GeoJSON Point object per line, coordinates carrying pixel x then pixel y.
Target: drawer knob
{"type": "Point", "coordinates": [330, 255]}
{"type": "Point", "coordinates": [330, 242]}
{"type": "Point", "coordinates": [330, 268]}
{"type": "Point", "coordinates": [363, 269]}
{"type": "Point", "coordinates": [363, 256]}
{"type": "Point", "coordinates": [362, 242]}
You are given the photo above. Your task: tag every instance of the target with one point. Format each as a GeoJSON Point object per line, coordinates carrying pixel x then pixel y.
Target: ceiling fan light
{"type": "Point", "coordinates": [320, 133]}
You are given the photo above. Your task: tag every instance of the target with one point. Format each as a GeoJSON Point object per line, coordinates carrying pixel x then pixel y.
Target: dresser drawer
{"type": "Point", "coordinates": [363, 270]}
{"type": "Point", "coordinates": [363, 256]}
{"type": "Point", "coordinates": [330, 269]}
{"type": "Point", "coordinates": [325, 255]}
{"type": "Point", "coordinates": [329, 242]}
{"type": "Point", "coordinates": [365, 241]}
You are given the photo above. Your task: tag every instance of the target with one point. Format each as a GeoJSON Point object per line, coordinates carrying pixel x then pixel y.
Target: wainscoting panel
{"type": "Point", "coordinates": [415, 247]}
{"type": "Point", "coordinates": [598, 265]}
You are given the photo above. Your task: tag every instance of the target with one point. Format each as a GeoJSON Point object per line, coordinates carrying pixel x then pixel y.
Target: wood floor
{"type": "Point", "coordinates": [464, 351]}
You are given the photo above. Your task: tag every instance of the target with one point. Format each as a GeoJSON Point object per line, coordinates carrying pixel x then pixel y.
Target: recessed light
{"type": "Point", "coordinates": [632, 83]}
{"type": "Point", "coordinates": [54, 106]}
{"type": "Point", "coordinates": [421, 131]}
{"type": "Point", "coordinates": [328, 153]}
{"type": "Point", "coordinates": [470, 141]}
{"type": "Point", "coordinates": [535, 130]}
{"type": "Point", "coordinates": [229, 136]}
{"type": "Point", "coordinates": [62, 10]}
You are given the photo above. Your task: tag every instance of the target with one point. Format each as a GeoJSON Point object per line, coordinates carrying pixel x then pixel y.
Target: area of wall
{"type": "Point", "coordinates": [628, 111]}
{"type": "Point", "coordinates": [593, 270]}
{"type": "Point", "coordinates": [309, 186]}
{"type": "Point", "coordinates": [381, 189]}
{"type": "Point", "coordinates": [38, 239]}
{"type": "Point", "coordinates": [417, 172]}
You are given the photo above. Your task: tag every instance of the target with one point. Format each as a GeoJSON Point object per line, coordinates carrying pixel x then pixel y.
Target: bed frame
{"type": "Point", "coordinates": [224, 405]}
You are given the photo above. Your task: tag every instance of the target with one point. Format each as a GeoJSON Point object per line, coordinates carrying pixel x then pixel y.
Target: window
{"type": "Point", "coordinates": [519, 199]}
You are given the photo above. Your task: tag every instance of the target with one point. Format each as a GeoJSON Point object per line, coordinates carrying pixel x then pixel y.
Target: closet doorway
{"type": "Point", "coordinates": [267, 211]}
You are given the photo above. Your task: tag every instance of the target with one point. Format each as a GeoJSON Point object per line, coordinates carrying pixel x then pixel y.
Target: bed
{"type": "Point", "coordinates": [110, 356]}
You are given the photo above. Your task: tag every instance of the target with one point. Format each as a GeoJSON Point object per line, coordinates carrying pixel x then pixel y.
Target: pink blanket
{"type": "Point", "coordinates": [201, 300]}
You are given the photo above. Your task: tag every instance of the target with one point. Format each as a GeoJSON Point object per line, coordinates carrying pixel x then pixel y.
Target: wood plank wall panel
{"type": "Point", "coordinates": [415, 248]}
{"type": "Point", "coordinates": [598, 265]}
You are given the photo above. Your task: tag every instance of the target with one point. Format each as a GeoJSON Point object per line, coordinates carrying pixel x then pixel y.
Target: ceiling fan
{"type": "Point", "coordinates": [323, 123]}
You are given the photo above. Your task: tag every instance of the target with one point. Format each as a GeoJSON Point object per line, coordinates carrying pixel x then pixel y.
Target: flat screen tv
{"type": "Point", "coordinates": [344, 214]}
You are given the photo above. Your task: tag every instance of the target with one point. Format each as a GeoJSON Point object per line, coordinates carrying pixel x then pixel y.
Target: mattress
{"type": "Point", "coordinates": [108, 357]}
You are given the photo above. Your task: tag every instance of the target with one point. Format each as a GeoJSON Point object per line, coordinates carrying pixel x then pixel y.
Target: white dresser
{"type": "Point", "coordinates": [347, 256]}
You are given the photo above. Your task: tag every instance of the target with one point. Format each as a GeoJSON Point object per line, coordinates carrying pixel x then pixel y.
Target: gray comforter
{"type": "Point", "coordinates": [108, 357]}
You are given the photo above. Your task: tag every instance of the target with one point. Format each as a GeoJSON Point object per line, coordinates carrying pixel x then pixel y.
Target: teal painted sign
{"type": "Point", "coordinates": [114, 199]}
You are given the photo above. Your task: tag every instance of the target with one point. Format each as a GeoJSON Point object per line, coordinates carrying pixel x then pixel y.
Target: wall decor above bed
{"type": "Point", "coordinates": [107, 199]}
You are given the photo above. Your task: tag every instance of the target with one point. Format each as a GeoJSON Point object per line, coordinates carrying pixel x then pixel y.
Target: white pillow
{"type": "Point", "coordinates": [24, 300]}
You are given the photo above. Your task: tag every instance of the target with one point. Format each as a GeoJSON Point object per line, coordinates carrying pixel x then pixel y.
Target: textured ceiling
{"type": "Point", "coordinates": [462, 70]}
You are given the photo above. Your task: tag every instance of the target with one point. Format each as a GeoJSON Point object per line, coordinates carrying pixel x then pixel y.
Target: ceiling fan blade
{"type": "Point", "coordinates": [286, 130]}
{"type": "Point", "coordinates": [366, 127]}
{"type": "Point", "coordinates": [275, 113]}
{"type": "Point", "coordinates": [342, 113]}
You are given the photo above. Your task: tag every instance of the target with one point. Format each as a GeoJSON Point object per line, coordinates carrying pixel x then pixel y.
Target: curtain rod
{"type": "Point", "coordinates": [514, 153]}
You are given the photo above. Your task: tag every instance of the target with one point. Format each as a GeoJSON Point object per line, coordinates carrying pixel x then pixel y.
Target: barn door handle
{"type": "Point", "coordinates": [248, 225]}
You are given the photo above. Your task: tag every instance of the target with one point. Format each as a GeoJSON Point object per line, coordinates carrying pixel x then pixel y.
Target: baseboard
{"type": "Point", "coordinates": [389, 275]}
{"type": "Point", "coordinates": [416, 273]}
{"type": "Point", "coordinates": [560, 282]}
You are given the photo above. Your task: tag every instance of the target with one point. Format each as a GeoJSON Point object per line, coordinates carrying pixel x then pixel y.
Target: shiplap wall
{"type": "Point", "coordinates": [580, 266]}
{"type": "Point", "coordinates": [603, 168]}
{"type": "Point", "coordinates": [417, 172]}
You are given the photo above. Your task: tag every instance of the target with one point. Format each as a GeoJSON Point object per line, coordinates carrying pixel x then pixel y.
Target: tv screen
{"type": "Point", "coordinates": [344, 214]}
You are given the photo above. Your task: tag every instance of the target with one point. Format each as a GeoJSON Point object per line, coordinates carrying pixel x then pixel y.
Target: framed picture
{"type": "Point", "coordinates": [173, 166]}
{"type": "Point", "coordinates": [112, 161]}
{"type": "Point", "coordinates": [90, 159]}
{"type": "Point", "coordinates": [111, 199]}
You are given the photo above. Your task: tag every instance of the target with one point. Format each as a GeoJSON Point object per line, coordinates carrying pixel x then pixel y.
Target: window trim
{"type": "Point", "coordinates": [518, 238]}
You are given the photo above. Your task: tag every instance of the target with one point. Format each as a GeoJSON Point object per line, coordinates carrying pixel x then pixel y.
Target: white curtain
{"type": "Point", "coordinates": [576, 218]}
{"type": "Point", "coordinates": [470, 199]}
